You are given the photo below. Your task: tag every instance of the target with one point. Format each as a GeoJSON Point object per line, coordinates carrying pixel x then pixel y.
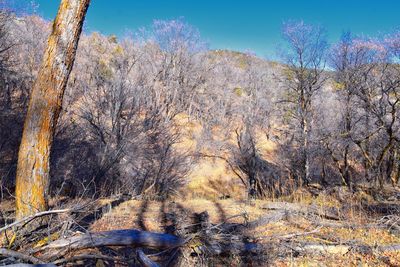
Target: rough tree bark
{"type": "Point", "coordinates": [44, 107]}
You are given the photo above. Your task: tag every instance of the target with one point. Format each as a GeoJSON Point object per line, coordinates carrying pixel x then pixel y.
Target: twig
{"type": "Point", "coordinates": [32, 217]}
{"type": "Point", "coordinates": [19, 255]}
{"type": "Point", "coordinates": [31, 265]}
{"type": "Point", "coordinates": [144, 260]}
{"type": "Point", "coordinates": [289, 236]}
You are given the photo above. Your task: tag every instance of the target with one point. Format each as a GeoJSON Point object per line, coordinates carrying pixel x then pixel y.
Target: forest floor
{"type": "Point", "coordinates": [357, 225]}
{"type": "Point", "coordinates": [310, 227]}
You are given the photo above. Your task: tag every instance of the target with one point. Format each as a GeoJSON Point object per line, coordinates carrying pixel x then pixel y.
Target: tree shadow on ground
{"type": "Point", "coordinates": [184, 222]}
{"type": "Point", "coordinates": [140, 222]}
{"type": "Point", "coordinates": [95, 212]}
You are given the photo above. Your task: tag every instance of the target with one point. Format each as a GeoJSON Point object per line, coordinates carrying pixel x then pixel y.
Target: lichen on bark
{"type": "Point", "coordinates": [33, 167]}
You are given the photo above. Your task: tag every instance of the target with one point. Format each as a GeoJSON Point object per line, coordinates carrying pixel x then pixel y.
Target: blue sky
{"type": "Point", "coordinates": [240, 24]}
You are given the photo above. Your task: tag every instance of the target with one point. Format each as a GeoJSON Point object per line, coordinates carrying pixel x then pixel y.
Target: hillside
{"type": "Point", "coordinates": [150, 149]}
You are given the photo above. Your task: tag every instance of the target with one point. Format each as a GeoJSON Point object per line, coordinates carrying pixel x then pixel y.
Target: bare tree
{"type": "Point", "coordinates": [109, 108]}
{"type": "Point", "coordinates": [173, 54]}
{"type": "Point", "coordinates": [351, 64]}
{"type": "Point", "coordinates": [392, 43]}
{"type": "Point", "coordinates": [366, 83]}
{"type": "Point", "coordinates": [261, 178]}
{"type": "Point", "coordinates": [378, 97]}
{"type": "Point", "coordinates": [5, 44]}
{"type": "Point", "coordinates": [303, 77]}
{"type": "Point", "coordinates": [124, 139]}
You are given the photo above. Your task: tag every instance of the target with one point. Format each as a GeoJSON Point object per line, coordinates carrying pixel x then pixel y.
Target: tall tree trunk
{"type": "Point", "coordinates": [346, 172]}
{"type": "Point", "coordinates": [346, 165]}
{"type": "Point", "coordinates": [305, 161]}
{"type": "Point", "coordinates": [395, 168]}
{"type": "Point", "coordinates": [32, 178]}
{"type": "Point", "coordinates": [367, 164]}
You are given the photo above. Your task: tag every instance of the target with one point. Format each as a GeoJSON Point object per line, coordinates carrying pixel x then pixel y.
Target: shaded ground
{"type": "Point", "coordinates": [331, 227]}
{"type": "Point", "coordinates": [175, 216]}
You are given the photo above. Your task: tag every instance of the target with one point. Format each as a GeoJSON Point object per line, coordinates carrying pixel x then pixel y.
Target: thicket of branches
{"type": "Point", "coordinates": [332, 110]}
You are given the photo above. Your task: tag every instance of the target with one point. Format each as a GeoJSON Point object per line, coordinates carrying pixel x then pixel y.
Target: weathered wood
{"type": "Point", "coordinates": [32, 217]}
{"type": "Point", "coordinates": [342, 248]}
{"type": "Point", "coordinates": [388, 248]}
{"type": "Point", "coordinates": [322, 249]}
{"type": "Point", "coordinates": [31, 265]}
{"type": "Point", "coordinates": [344, 224]}
{"type": "Point", "coordinates": [293, 235]}
{"type": "Point", "coordinates": [20, 256]}
{"type": "Point", "coordinates": [304, 209]}
{"type": "Point", "coordinates": [261, 221]}
{"type": "Point", "coordinates": [112, 238]}
{"type": "Point", "coordinates": [267, 219]}
{"type": "Point", "coordinates": [136, 238]}
{"type": "Point", "coordinates": [144, 260]}
{"type": "Point", "coordinates": [32, 177]}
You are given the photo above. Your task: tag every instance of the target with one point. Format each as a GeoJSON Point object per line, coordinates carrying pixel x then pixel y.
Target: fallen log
{"type": "Point", "coordinates": [346, 225]}
{"type": "Point", "coordinates": [20, 256]}
{"type": "Point", "coordinates": [322, 249]}
{"type": "Point", "coordinates": [342, 249]}
{"type": "Point", "coordinates": [267, 219]}
{"type": "Point", "coordinates": [389, 248]}
{"type": "Point", "coordinates": [289, 236]}
{"type": "Point", "coordinates": [135, 238]}
{"type": "Point", "coordinates": [261, 221]}
{"type": "Point", "coordinates": [304, 209]}
{"type": "Point", "coordinates": [127, 237]}
{"type": "Point", "coordinates": [31, 265]}
{"type": "Point", "coordinates": [59, 248]}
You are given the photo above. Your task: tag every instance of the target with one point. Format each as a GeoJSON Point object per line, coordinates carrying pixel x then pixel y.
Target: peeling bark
{"type": "Point", "coordinates": [32, 178]}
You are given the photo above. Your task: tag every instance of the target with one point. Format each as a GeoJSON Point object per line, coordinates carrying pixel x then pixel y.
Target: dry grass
{"type": "Point", "coordinates": [156, 216]}
{"type": "Point", "coordinates": [212, 178]}
{"type": "Point", "coordinates": [349, 260]}
{"type": "Point", "coordinates": [150, 215]}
